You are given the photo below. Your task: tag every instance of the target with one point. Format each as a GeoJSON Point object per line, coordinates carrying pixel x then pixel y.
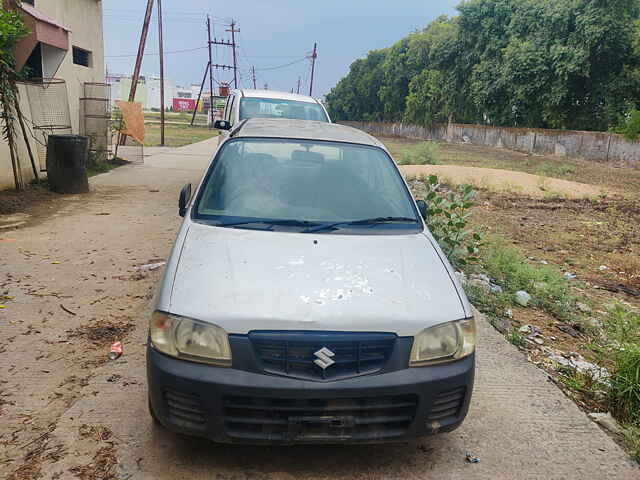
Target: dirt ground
{"type": "Point", "coordinates": [576, 234]}
{"type": "Point", "coordinates": [176, 134]}
{"type": "Point", "coordinates": [75, 277]}
{"type": "Point", "coordinates": [595, 237]}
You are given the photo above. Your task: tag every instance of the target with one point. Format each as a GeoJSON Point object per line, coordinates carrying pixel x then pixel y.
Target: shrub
{"type": "Point", "coordinates": [447, 220]}
{"type": "Point", "coordinates": [622, 325]}
{"type": "Point", "coordinates": [630, 127]}
{"type": "Point", "coordinates": [425, 153]}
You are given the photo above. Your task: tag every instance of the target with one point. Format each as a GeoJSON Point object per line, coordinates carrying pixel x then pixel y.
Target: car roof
{"type": "Point", "coordinates": [303, 130]}
{"type": "Point", "coordinates": [276, 95]}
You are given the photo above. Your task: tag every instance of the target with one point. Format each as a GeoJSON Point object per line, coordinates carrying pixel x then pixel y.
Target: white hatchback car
{"type": "Point", "coordinates": [244, 103]}
{"type": "Point", "coordinates": [305, 301]}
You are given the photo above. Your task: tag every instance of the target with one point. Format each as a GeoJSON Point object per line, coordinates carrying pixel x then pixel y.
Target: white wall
{"type": "Point", "coordinates": [84, 18]}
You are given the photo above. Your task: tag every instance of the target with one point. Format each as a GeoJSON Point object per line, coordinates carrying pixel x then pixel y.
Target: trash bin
{"type": "Point", "coordinates": [67, 157]}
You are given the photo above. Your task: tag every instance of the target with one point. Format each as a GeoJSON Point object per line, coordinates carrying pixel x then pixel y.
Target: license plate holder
{"type": "Point", "coordinates": [327, 427]}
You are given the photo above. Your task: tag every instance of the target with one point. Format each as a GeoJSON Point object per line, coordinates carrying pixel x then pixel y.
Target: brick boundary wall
{"type": "Point", "coordinates": [598, 146]}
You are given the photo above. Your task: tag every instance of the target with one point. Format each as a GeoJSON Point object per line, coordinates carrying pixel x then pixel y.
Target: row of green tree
{"type": "Point", "coordinates": [564, 64]}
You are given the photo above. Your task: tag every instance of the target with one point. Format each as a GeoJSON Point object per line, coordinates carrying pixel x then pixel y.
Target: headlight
{"type": "Point", "coordinates": [445, 342]}
{"type": "Point", "coordinates": [189, 339]}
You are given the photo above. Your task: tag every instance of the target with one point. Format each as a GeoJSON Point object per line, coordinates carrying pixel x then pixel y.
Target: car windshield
{"type": "Point", "coordinates": [274, 108]}
{"type": "Point", "coordinates": [309, 185]}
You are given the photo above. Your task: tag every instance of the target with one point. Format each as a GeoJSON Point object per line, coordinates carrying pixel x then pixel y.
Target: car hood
{"type": "Point", "coordinates": [244, 280]}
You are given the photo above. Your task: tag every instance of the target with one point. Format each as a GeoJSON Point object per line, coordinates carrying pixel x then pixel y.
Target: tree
{"type": "Point", "coordinates": [11, 31]}
{"type": "Point", "coordinates": [568, 64]}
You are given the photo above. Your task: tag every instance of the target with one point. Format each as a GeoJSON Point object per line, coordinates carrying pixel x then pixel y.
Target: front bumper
{"type": "Point", "coordinates": [235, 406]}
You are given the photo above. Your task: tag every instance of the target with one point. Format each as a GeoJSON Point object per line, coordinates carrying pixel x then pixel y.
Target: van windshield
{"type": "Point", "coordinates": [274, 108]}
{"type": "Point", "coordinates": [312, 186]}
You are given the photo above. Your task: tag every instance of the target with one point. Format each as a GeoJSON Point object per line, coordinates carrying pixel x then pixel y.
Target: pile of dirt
{"type": "Point", "coordinates": [17, 202]}
{"type": "Point", "coordinates": [506, 181]}
{"type": "Point", "coordinates": [104, 331]}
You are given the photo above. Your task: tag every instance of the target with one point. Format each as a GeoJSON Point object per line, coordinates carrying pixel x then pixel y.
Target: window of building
{"type": "Point", "coordinates": [30, 2]}
{"type": "Point", "coordinates": [81, 57]}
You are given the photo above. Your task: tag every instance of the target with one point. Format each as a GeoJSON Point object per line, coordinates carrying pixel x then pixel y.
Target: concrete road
{"type": "Point", "coordinates": [67, 412]}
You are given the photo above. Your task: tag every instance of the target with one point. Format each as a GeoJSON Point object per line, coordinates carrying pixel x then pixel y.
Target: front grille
{"type": "Point", "coordinates": [447, 404]}
{"type": "Point", "coordinates": [185, 410]}
{"type": "Point", "coordinates": [353, 419]}
{"type": "Point", "coordinates": [294, 354]}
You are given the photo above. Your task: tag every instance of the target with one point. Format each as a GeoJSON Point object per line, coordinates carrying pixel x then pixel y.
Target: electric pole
{"type": "Point", "coordinates": [141, 46]}
{"type": "Point", "coordinates": [210, 73]}
{"type": "Point", "coordinates": [313, 66]}
{"type": "Point", "coordinates": [299, 83]}
{"type": "Point", "coordinates": [253, 75]}
{"type": "Point", "coordinates": [136, 70]}
{"type": "Point", "coordinates": [204, 79]}
{"type": "Point", "coordinates": [233, 45]}
{"type": "Point", "coordinates": [161, 72]}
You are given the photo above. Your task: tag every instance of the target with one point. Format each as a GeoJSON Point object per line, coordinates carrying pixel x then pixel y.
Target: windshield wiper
{"type": "Point", "coordinates": [366, 221]}
{"type": "Point", "coordinates": [271, 223]}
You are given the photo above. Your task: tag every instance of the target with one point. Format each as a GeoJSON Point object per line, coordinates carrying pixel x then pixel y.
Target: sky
{"type": "Point", "coordinates": [275, 37]}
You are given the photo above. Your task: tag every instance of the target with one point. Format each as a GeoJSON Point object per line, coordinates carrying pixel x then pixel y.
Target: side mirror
{"type": "Point", "coordinates": [185, 196]}
{"type": "Point", "coordinates": [222, 125]}
{"type": "Point", "coordinates": [422, 208]}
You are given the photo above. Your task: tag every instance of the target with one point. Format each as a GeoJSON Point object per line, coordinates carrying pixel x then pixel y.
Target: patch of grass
{"type": "Point", "coordinates": [104, 167]}
{"type": "Point", "coordinates": [548, 288]}
{"type": "Point", "coordinates": [493, 305]}
{"type": "Point", "coordinates": [583, 383]}
{"type": "Point", "coordinates": [176, 116]}
{"type": "Point", "coordinates": [549, 169]}
{"type": "Point", "coordinates": [632, 437]}
{"type": "Point", "coordinates": [625, 385]}
{"type": "Point", "coordinates": [176, 135]}
{"type": "Point", "coordinates": [622, 325]}
{"type": "Point", "coordinates": [516, 338]}
{"type": "Point", "coordinates": [425, 153]}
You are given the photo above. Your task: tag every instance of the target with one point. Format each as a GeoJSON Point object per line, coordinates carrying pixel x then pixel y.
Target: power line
{"type": "Point", "coordinates": [156, 54]}
{"type": "Point", "coordinates": [281, 66]}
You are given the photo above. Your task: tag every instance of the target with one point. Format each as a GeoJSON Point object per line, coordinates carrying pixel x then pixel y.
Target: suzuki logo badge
{"type": "Point", "coordinates": [324, 358]}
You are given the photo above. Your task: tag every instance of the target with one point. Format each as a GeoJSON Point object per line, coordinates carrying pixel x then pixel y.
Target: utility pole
{"type": "Point", "coordinates": [233, 45]}
{"type": "Point", "coordinates": [141, 46]}
{"type": "Point", "coordinates": [313, 66]}
{"type": "Point", "coordinates": [136, 70]}
{"type": "Point", "coordinates": [161, 51]}
{"type": "Point", "coordinates": [299, 82]}
{"type": "Point", "coordinates": [253, 76]}
{"type": "Point", "coordinates": [204, 79]}
{"type": "Point", "coordinates": [210, 72]}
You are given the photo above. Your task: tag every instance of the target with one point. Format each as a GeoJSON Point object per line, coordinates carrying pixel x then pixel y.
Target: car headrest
{"type": "Point", "coordinates": [302, 157]}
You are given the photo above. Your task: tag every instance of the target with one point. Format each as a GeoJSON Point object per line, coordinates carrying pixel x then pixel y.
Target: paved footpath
{"type": "Point", "coordinates": [67, 412]}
